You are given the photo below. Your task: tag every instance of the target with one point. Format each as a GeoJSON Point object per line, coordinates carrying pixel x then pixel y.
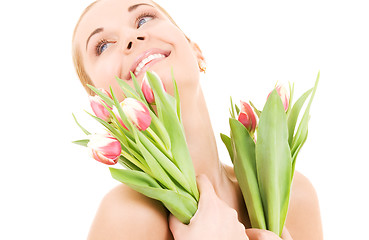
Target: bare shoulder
{"type": "Point", "coordinates": [303, 218]}
{"type": "Point", "coordinates": [127, 214]}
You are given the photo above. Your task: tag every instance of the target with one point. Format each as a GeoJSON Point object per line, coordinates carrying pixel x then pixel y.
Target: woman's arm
{"type": "Point", "coordinates": [125, 214]}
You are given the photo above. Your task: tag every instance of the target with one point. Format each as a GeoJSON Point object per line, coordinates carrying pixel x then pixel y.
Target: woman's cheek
{"type": "Point", "coordinates": [106, 71]}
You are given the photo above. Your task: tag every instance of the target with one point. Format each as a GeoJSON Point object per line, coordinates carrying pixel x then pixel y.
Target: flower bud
{"type": "Point", "coordinates": [137, 113]}
{"type": "Point", "coordinates": [104, 148]}
{"type": "Point", "coordinates": [284, 94]}
{"type": "Point", "coordinates": [98, 108]}
{"type": "Point", "coordinates": [116, 113]}
{"type": "Point", "coordinates": [147, 90]}
{"type": "Point", "coordinates": [247, 117]}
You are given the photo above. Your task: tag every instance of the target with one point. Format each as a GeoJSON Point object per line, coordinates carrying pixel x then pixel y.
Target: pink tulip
{"type": "Point", "coordinates": [284, 94]}
{"type": "Point", "coordinates": [147, 90]}
{"type": "Point", "coordinates": [98, 108]}
{"type": "Point", "coordinates": [115, 111]}
{"type": "Point", "coordinates": [247, 117]}
{"type": "Point", "coordinates": [104, 148]}
{"type": "Point", "coordinates": [137, 113]}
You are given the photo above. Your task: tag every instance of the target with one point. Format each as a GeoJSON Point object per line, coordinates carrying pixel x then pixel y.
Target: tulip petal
{"type": "Point", "coordinates": [247, 117]}
{"type": "Point", "coordinates": [104, 148]}
{"type": "Point", "coordinates": [147, 91]}
{"type": "Point", "coordinates": [137, 113]}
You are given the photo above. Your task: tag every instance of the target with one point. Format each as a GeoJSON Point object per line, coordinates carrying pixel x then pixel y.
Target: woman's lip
{"type": "Point", "coordinates": [145, 55]}
{"type": "Point", "coordinates": [149, 64]}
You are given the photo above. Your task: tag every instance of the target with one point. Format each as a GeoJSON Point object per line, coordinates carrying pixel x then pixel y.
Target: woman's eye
{"type": "Point", "coordinates": [102, 46]}
{"type": "Point", "coordinates": [143, 20]}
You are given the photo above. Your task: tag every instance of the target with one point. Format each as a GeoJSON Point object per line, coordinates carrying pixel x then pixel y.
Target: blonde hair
{"type": "Point", "coordinates": [76, 53]}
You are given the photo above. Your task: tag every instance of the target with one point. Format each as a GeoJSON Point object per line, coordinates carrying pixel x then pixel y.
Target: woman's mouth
{"type": "Point", "coordinates": [147, 59]}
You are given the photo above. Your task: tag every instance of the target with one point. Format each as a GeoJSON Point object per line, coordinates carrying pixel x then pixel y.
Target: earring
{"type": "Point", "coordinates": [202, 66]}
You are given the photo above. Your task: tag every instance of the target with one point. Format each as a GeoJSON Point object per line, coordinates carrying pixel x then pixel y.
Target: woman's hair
{"type": "Point", "coordinates": [76, 53]}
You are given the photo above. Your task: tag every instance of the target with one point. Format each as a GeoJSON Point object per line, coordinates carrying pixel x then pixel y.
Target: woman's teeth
{"type": "Point", "coordinates": [146, 60]}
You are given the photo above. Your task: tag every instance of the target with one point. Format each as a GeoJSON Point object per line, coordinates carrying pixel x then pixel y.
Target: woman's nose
{"type": "Point", "coordinates": [135, 41]}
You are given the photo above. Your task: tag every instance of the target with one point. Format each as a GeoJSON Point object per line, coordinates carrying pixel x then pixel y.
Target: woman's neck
{"type": "Point", "coordinates": [203, 150]}
{"type": "Point", "coordinates": [200, 136]}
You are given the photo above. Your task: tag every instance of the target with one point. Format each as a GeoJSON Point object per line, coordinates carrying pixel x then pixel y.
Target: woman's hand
{"type": "Point", "coordinates": [214, 219]}
{"type": "Point", "coordinates": [259, 234]}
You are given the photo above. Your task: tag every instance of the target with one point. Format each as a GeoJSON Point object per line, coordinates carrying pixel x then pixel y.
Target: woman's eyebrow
{"type": "Point", "coordinates": [133, 7]}
{"type": "Point", "coordinates": [130, 9]}
{"type": "Point", "coordinates": [97, 30]}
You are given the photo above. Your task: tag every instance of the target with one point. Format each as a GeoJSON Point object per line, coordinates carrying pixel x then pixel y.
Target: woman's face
{"type": "Point", "coordinates": [118, 36]}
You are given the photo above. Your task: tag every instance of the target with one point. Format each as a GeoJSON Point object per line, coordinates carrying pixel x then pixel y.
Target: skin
{"type": "Point", "coordinates": [123, 212]}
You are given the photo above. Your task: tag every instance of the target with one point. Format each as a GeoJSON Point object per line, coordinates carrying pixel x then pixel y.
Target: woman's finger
{"type": "Point", "coordinates": [260, 234]}
{"type": "Point", "coordinates": [204, 185]}
{"type": "Point", "coordinates": [176, 226]}
{"type": "Point", "coordinates": [286, 235]}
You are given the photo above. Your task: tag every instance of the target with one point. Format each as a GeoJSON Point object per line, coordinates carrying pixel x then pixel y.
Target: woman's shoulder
{"type": "Point", "coordinates": [303, 218]}
{"type": "Point", "coordinates": [127, 214]}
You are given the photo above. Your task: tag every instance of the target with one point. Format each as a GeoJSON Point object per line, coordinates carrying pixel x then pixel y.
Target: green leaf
{"type": "Point", "coordinates": [294, 114]}
{"type": "Point", "coordinates": [237, 109]}
{"type": "Point", "coordinates": [301, 134]}
{"type": "Point", "coordinates": [227, 142]}
{"type": "Point", "coordinates": [167, 113]}
{"type": "Point", "coordinates": [127, 89]}
{"type": "Point", "coordinates": [128, 164]}
{"type": "Point", "coordinates": [82, 142]}
{"type": "Point", "coordinates": [176, 96]}
{"type": "Point", "coordinates": [257, 112]}
{"type": "Point", "coordinates": [103, 96]}
{"type": "Point", "coordinates": [134, 159]}
{"type": "Point", "coordinates": [80, 126]}
{"type": "Point", "coordinates": [138, 89]}
{"type": "Point", "coordinates": [158, 127]}
{"type": "Point", "coordinates": [105, 124]}
{"type": "Point", "coordinates": [231, 110]}
{"type": "Point", "coordinates": [245, 169]}
{"type": "Point", "coordinates": [182, 206]}
{"type": "Point", "coordinates": [292, 89]}
{"type": "Point", "coordinates": [156, 169]}
{"type": "Point", "coordinates": [165, 162]}
{"type": "Point", "coordinates": [273, 162]}
{"type": "Point", "coordinates": [297, 150]}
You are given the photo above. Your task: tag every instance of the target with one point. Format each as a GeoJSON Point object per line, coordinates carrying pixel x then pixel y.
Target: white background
{"type": "Point", "coordinates": [50, 188]}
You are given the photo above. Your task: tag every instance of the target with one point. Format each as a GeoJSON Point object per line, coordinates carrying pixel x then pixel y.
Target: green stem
{"type": "Point", "coordinates": [160, 143]}
{"type": "Point", "coordinates": [135, 161]}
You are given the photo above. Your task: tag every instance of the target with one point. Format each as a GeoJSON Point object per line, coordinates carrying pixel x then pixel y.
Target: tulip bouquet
{"type": "Point", "coordinates": [264, 153]}
{"type": "Point", "coordinates": [149, 144]}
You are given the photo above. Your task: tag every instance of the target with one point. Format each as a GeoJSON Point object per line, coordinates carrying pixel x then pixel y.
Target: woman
{"type": "Point", "coordinates": [114, 37]}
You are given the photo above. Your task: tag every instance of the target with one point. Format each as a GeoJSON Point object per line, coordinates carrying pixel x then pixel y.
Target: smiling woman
{"type": "Point", "coordinates": [116, 37]}
{"type": "Point", "coordinates": [104, 43]}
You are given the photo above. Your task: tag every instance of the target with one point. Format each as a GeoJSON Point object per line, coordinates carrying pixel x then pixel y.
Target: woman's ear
{"type": "Point", "coordinates": [200, 57]}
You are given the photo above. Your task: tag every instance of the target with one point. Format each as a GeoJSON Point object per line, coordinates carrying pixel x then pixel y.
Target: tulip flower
{"type": "Point", "coordinates": [247, 117]}
{"type": "Point", "coordinates": [137, 113]}
{"type": "Point", "coordinates": [104, 148]}
{"type": "Point", "coordinates": [284, 94]}
{"type": "Point", "coordinates": [147, 90]}
{"type": "Point", "coordinates": [115, 111]}
{"type": "Point", "coordinates": [98, 108]}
